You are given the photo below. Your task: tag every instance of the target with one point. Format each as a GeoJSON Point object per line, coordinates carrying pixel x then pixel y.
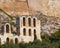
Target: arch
{"type": "Point", "coordinates": [16, 40]}
{"type": "Point", "coordinates": [7, 28]}
{"type": "Point", "coordinates": [24, 21]}
{"type": "Point", "coordinates": [35, 37]}
{"type": "Point", "coordinates": [29, 21]}
{"type": "Point", "coordinates": [29, 32]}
{"type": "Point", "coordinates": [7, 39]}
{"type": "Point", "coordinates": [34, 22]}
{"type": "Point", "coordinates": [24, 32]}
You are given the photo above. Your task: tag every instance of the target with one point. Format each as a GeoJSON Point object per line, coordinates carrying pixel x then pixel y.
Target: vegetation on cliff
{"type": "Point", "coordinates": [52, 41]}
{"type": "Point", "coordinates": [11, 17]}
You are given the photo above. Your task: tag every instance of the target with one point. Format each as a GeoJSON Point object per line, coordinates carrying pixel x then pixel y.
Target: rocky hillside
{"type": "Point", "coordinates": [49, 24]}
{"type": "Point", "coordinates": [14, 7]}
{"type": "Point", "coordinates": [48, 11]}
{"type": "Point", "coordinates": [26, 7]}
{"type": "Point", "coordinates": [47, 7]}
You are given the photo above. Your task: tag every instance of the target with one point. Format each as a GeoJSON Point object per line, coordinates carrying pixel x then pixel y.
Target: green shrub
{"type": "Point", "coordinates": [52, 41]}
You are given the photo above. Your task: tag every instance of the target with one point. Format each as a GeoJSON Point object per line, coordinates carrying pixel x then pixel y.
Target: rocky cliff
{"type": "Point", "coordinates": [49, 24]}
{"type": "Point", "coordinates": [25, 7]}
{"type": "Point", "coordinates": [47, 7]}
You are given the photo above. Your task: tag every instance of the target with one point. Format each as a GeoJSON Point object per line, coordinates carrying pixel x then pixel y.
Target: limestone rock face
{"type": "Point", "coordinates": [24, 7]}
{"type": "Point", "coordinates": [47, 7]}
{"type": "Point", "coordinates": [14, 7]}
{"type": "Point", "coordinates": [49, 24]}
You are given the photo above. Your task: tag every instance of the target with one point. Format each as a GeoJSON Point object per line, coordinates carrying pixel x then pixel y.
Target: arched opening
{"type": "Point", "coordinates": [16, 40]}
{"type": "Point", "coordinates": [34, 22]}
{"type": "Point", "coordinates": [29, 21]}
{"type": "Point", "coordinates": [23, 21]}
{"type": "Point", "coordinates": [35, 37]}
{"type": "Point", "coordinates": [29, 32]}
{"type": "Point", "coordinates": [24, 32]}
{"type": "Point", "coordinates": [7, 39]}
{"type": "Point", "coordinates": [7, 28]}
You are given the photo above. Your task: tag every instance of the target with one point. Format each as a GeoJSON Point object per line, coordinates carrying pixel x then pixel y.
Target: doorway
{"type": "Point", "coordinates": [35, 37]}
{"type": "Point", "coordinates": [16, 40]}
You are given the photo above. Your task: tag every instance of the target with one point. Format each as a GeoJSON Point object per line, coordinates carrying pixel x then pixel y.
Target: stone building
{"type": "Point", "coordinates": [27, 30]}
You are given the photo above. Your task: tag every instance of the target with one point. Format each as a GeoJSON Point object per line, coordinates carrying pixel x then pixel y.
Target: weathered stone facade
{"type": "Point", "coordinates": [27, 30]}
